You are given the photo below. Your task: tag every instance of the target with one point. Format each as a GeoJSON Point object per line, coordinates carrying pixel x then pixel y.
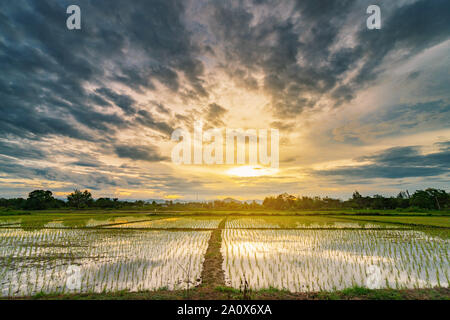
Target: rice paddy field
{"type": "Point", "coordinates": [108, 253]}
{"type": "Point", "coordinates": [326, 260]}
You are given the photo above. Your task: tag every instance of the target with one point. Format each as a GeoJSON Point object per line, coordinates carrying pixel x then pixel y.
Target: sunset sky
{"type": "Point", "coordinates": [95, 108]}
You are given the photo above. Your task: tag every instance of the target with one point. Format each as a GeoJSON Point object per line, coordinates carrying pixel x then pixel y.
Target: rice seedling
{"type": "Point", "coordinates": [315, 260]}
{"type": "Point", "coordinates": [34, 261]}
{"type": "Point", "coordinates": [303, 222]}
{"type": "Point", "coordinates": [173, 223]}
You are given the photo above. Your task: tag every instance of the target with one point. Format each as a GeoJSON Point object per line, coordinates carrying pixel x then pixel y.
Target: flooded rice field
{"type": "Point", "coordinates": [172, 223]}
{"type": "Point", "coordinates": [316, 260]}
{"type": "Point", "coordinates": [314, 222]}
{"type": "Point", "coordinates": [61, 261]}
{"type": "Point", "coordinates": [135, 253]}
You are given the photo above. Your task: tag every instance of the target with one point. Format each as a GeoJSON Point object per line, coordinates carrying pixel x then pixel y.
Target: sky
{"type": "Point", "coordinates": [95, 108]}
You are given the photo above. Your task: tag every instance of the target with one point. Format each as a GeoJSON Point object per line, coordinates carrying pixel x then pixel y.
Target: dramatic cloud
{"type": "Point", "coordinates": [215, 113]}
{"type": "Point", "coordinates": [146, 118]}
{"type": "Point", "coordinates": [18, 151]}
{"type": "Point", "coordinates": [395, 120]}
{"type": "Point", "coordinates": [96, 107]}
{"type": "Point", "coordinates": [394, 163]}
{"type": "Point", "coordinates": [307, 55]}
{"type": "Point", "coordinates": [145, 153]}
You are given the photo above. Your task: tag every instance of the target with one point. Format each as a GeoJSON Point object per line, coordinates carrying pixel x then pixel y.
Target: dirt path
{"type": "Point", "coordinates": [212, 274]}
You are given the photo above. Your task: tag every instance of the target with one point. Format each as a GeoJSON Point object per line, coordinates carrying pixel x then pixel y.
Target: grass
{"type": "Point", "coordinates": [267, 212]}
{"type": "Point", "coordinates": [227, 293]}
{"type": "Point", "coordinates": [74, 218]}
{"type": "Point", "coordinates": [429, 221]}
{"type": "Point", "coordinates": [9, 212]}
{"type": "Point", "coordinates": [212, 274]}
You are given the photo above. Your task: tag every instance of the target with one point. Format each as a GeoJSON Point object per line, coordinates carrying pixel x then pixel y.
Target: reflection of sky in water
{"type": "Point", "coordinates": [34, 261]}
{"type": "Point", "coordinates": [314, 260]}
{"type": "Point", "coordinates": [197, 223]}
{"type": "Point", "coordinates": [301, 222]}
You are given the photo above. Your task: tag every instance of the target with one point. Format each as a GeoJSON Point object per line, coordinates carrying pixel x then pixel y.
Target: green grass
{"type": "Point", "coordinates": [429, 221]}
{"type": "Point", "coordinates": [316, 221]}
{"type": "Point", "coordinates": [96, 211]}
{"type": "Point", "coordinates": [284, 219]}
{"type": "Point", "coordinates": [11, 212]}
{"type": "Point", "coordinates": [39, 220]}
{"type": "Point", "coordinates": [227, 293]}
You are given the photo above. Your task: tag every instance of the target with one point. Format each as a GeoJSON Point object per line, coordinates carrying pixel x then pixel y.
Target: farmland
{"type": "Point", "coordinates": [187, 255]}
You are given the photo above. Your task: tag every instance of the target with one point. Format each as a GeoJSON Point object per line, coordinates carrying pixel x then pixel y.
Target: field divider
{"type": "Point", "coordinates": [212, 273]}
{"type": "Point", "coordinates": [162, 229]}
{"type": "Point", "coordinates": [8, 224]}
{"type": "Point", "coordinates": [399, 223]}
{"type": "Point", "coordinates": [98, 227]}
{"type": "Point", "coordinates": [104, 226]}
{"type": "Point", "coordinates": [318, 228]}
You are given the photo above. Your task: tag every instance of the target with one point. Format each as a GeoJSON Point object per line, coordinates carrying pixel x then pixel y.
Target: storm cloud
{"type": "Point", "coordinates": [308, 55]}
{"type": "Point", "coordinates": [96, 107]}
{"type": "Point", "coordinates": [146, 153]}
{"type": "Point", "coordinates": [395, 163]}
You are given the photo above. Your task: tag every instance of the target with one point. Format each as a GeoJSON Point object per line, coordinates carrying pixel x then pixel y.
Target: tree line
{"type": "Point", "coordinates": [431, 199]}
{"type": "Point", "coordinates": [43, 199]}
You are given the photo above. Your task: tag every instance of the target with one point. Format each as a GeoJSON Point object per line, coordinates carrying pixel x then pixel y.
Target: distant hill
{"type": "Point", "coordinates": [231, 200]}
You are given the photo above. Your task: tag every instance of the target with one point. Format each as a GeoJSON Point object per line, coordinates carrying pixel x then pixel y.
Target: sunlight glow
{"type": "Point", "coordinates": [251, 171]}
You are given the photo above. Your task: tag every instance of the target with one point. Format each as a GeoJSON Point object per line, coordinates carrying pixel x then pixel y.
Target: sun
{"type": "Point", "coordinates": [251, 171]}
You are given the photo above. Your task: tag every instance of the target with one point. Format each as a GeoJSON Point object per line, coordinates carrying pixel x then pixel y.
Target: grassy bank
{"type": "Point", "coordinates": [227, 293]}
{"type": "Point", "coordinates": [117, 212]}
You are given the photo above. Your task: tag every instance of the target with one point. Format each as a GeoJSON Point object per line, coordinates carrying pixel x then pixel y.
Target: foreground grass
{"type": "Point", "coordinates": [419, 221]}
{"type": "Point", "coordinates": [211, 212]}
{"type": "Point", "coordinates": [227, 293]}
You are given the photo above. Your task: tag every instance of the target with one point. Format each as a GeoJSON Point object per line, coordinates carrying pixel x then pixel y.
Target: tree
{"type": "Point", "coordinates": [357, 200]}
{"type": "Point", "coordinates": [80, 199]}
{"type": "Point", "coordinates": [40, 199]}
{"type": "Point", "coordinates": [430, 199]}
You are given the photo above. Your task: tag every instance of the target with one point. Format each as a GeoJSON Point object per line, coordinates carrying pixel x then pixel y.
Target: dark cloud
{"type": "Point", "coordinates": [45, 66]}
{"type": "Point", "coordinates": [215, 113]}
{"type": "Point", "coordinates": [59, 84]}
{"type": "Point", "coordinates": [376, 171]}
{"type": "Point", "coordinates": [395, 163]}
{"type": "Point", "coordinates": [299, 55]}
{"type": "Point", "coordinates": [444, 146]}
{"type": "Point", "coordinates": [146, 118]}
{"type": "Point", "coordinates": [145, 153]}
{"type": "Point", "coordinates": [410, 28]}
{"type": "Point", "coordinates": [395, 120]}
{"type": "Point", "coordinates": [410, 157]}
{"type": "Point", "coordinates": [93, 176]}
{"type": "Point", "coordinates": [123, 101]}
{"type": "Point", "coordinates": [161, 108]}
{"type": "Point", "coordinates": [16, 150]}
{"type": "Point", "coordinates": [87, 163]}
